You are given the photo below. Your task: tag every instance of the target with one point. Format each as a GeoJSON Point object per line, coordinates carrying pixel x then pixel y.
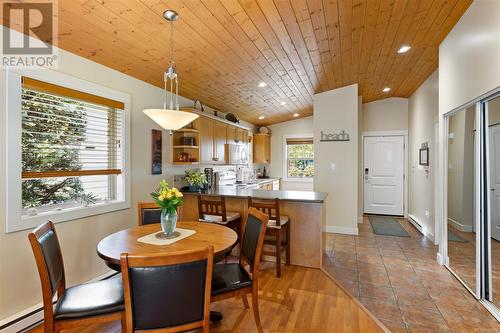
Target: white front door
{"type": "Point", "coordinates": [494, 133]}
{"type": "Point", "coordinates": [383, 175]}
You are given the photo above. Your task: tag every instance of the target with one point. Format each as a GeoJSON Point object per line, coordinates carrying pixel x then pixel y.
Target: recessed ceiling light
{"type": "Point", "coordinates": [262, 84]}
{"type": "Point", "coordinates": [283, 103]}
{"type": "Point", "coordinates": [295, 114]}
{"type": "Point", "coordinates": [386, 89]}
{"type": "Point", "coordinates": [404, 49]}
{"type": "Point", "coordinates": [261, 117]}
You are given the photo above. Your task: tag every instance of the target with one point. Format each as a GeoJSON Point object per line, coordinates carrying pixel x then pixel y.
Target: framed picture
{"type": "Point", "coordinates": [423, 156]}
{"type": "Point", "coordinates": [156, 152]}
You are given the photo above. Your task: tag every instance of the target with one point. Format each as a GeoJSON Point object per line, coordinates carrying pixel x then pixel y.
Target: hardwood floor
{"type": "Point", "coordinates": [302, 300]}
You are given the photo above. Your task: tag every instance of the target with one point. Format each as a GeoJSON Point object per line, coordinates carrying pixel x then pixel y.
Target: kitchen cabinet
{"type": "Point", "coordinates": [261, 148]}
{"type": "Point", "coordinates": [206, 130]}
{"type": "Point", "coordinates": [231, 134]}
{"type": "Point", "coordinates": [219, 132]}
{"type": "Point", "coordinates": [239, 135]}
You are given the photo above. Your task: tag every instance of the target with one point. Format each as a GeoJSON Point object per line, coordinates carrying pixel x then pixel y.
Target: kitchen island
{"type": "Point", "coordinates": [305, 209]}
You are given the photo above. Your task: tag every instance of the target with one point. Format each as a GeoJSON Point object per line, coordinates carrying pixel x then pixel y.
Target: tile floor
{"type": "Point", "coordinates": [399, 281]}
{"type": "Point", "coordinates": [463, 261]}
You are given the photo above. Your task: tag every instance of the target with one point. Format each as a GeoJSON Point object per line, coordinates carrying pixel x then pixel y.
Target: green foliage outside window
{"type": "Point", "coordinates": [53, 128]}
{"type": "Point", "coordinates": [300, 160]}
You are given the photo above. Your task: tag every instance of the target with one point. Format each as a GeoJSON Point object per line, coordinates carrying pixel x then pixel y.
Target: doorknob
{"type": "Point", "coordinates": [492, 190]}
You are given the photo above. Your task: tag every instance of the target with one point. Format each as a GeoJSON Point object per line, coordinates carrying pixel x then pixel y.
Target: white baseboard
{"type": "Point", "coordinates": [33, 315]}
{"type": "Point", "coordinates": [459, 226]}
{"type": "Point", "coordinates": [439, 259]}
{"type": "Point", "coordinates": [360, 219]}
{"type": "Point", "coordinates": [341, 230]}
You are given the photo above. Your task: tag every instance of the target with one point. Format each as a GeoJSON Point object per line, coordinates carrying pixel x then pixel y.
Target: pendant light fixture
{"type": "Point", "coordinates": [170, 118]}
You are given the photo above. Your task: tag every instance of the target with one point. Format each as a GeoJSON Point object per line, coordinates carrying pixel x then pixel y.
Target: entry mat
{"type": "Point", "coordinates": [387, 226]}
{"type": "Point", "coordinates": [455, 238]}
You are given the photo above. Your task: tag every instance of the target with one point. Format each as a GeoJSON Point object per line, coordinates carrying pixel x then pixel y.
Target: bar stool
{"type": "Point", "coordinates": [271, 207]}
{"type": "Point", "coordinates": [212, 209]}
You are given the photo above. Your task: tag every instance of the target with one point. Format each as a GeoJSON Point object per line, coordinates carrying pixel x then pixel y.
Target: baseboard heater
{"type": "Point", "coordinates": [32, 317]}
{"type": "Point", "coordinates": [417, 224]}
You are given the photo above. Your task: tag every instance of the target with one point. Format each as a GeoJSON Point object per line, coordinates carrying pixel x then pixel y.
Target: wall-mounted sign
{"type": "Point", "coordinates": [342, 136]}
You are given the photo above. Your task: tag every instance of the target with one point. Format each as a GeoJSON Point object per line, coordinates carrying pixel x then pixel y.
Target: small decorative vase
{"type": "Point", "coordinates": [168, 223]}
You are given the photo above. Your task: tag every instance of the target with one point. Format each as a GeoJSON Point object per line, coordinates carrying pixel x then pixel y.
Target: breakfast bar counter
{"type": "Point", "coordinates": [305, 209]}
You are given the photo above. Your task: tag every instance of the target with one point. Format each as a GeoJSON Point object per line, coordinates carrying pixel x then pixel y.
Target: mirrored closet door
{"type": "Point", "coordinates": [461, 195]}
{"type": "Point", "coordinates": [473, 198]}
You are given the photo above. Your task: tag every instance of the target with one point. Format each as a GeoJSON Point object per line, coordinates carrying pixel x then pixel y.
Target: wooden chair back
{"type": "Point", "coordinates": [149, 213]}
{"type": "Point", "coordinates": [212, 205]}
{"type": "Point", "coordinates": [171, 295]}
{"type": "Point", "coordinates": [270, 207]}
{"type": "Point", "coordinates": [252, 240]}
{"type": "Point", "coordinates": [49, 261]}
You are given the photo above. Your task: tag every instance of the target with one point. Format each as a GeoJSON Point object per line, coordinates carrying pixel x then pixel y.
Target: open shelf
{"type": "Point", "coordinates": [185, 147]}
{"type": "Point", "coordinates": [186, 163]}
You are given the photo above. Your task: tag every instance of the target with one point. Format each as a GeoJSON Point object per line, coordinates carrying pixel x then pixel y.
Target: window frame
{"type": "Point", "coordinates": [285, 158]}
{"type": "Point", "coordinates": [12, 127]}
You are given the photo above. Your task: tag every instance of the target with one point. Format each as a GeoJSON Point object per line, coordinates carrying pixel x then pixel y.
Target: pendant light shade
{"type": "Point", "coordinates": [170, 119]}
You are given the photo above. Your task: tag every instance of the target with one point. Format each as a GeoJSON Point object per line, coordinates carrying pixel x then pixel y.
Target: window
{"type": "Point", "coordinates": [71, 148]}
{"type": "Point", "coordinates": [299, 158]}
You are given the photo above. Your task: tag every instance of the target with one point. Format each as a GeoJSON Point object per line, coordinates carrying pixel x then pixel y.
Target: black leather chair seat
{"type": "Point", "coordinates": [229, 277]}
{"type": "Point", "coordinates": [91, 299]}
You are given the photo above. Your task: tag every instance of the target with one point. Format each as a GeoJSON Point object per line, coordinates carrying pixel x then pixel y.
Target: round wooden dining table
{"type": "Point", "coordinates": [220, 237]}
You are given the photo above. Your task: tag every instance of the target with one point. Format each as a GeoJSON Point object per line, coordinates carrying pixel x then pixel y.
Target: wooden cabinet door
{"type": "Point", "coordinates": [239, 135]}
{"type": "Point", "coordinates": [245, 137]}
{"type": "Point", "coordinates": [206, 128]}
{"type": "Point", "coordinates": [219, 142]}
{"type": "Point", "coordinates": [261, 148]}
{"type": "Point", "coordinates": [231, 134]}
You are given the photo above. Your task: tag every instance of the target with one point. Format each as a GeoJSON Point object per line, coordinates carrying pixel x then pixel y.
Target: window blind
{"type": "Point", "coordinates": [299, 141]}
{"type": "Point", "coordinates": [67, 133]}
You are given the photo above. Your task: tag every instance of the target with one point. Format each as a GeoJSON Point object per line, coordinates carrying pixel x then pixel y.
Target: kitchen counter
{"type": "Point", "coordinates": [306, 211]}
{"type": "Point", "coordinates": [299, 196]}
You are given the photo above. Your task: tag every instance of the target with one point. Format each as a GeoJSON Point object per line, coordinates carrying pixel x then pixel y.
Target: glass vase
{"type": "Point", "coordinates": [168, 223]}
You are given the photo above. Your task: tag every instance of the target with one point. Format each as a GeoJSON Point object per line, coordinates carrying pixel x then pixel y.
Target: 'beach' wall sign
{"type": "Point", "coordinates": [342, 136]}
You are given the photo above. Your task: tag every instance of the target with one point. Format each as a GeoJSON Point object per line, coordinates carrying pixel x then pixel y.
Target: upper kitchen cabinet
{"type": "Point", "coordinates": [231, 134]}
{"type": "Point", "coordinates": [219, 142]}
{"type": "Point", "coordinates": [240, 135]}
{"type": "Point", "coordinates": [261, 148]}
{"type": "Point", "coordinates": [206, 131]}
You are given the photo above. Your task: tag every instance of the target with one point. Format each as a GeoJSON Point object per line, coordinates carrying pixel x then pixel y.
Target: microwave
{"type": "Point", "coordinates": [236, 154]}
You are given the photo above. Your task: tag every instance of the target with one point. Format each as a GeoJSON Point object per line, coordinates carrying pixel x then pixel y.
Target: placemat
{"type": "Point", "coordinates": [152, 239]}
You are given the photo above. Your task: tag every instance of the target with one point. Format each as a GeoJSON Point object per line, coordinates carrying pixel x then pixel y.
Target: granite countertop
{"type": "Point", "coordinates": [298, 196]}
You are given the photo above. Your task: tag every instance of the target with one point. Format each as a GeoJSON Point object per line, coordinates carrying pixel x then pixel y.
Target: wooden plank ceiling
{"type": "Point", "coordinates": [225, 48]}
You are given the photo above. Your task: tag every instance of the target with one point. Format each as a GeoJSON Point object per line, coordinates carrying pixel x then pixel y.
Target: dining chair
{"type": "Point", "coordinates": [80, 305]}
{"type": "Point", "coordinates": [167, 292]}
{"type": "Point", "coordinates": [212, 209]}
{"type": "Point", "coordinates": [233, 279]}
{"type": "Point", "coordinates": [275, 230]}
{"type": "Point", "coordinates": [149, 213]}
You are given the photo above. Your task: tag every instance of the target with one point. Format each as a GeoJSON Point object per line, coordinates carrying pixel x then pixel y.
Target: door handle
{"type": "Point", "coordinates": [492, 190]}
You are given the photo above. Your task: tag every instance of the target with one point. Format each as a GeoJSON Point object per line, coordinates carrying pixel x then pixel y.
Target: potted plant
{"type": "Point", "coordinates": [168, 199]}
{"type": "Point", "coordinates": [196, 180]}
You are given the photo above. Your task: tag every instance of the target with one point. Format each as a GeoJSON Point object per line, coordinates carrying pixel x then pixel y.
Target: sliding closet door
{"type": "Point", "coordinates": [461, 195]}
{"type": "Point", "coordinates": [492, 243]}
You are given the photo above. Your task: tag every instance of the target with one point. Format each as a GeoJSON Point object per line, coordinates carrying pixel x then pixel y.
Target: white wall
{"type": "Point", "coordinates": [422, 117]}
{"type": "Point", "coordinates": [19, 282]}
{"type": "Point", "coordinates": [469, 67]}
{"type": "Point", "coordinates": [387, 114]}
{"type": "Point", "coordinates": [297, 126]}
{"type": "Point", "coordinates": [469, 57]}
{"type": "Point", "coordinates": [334, 111]}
